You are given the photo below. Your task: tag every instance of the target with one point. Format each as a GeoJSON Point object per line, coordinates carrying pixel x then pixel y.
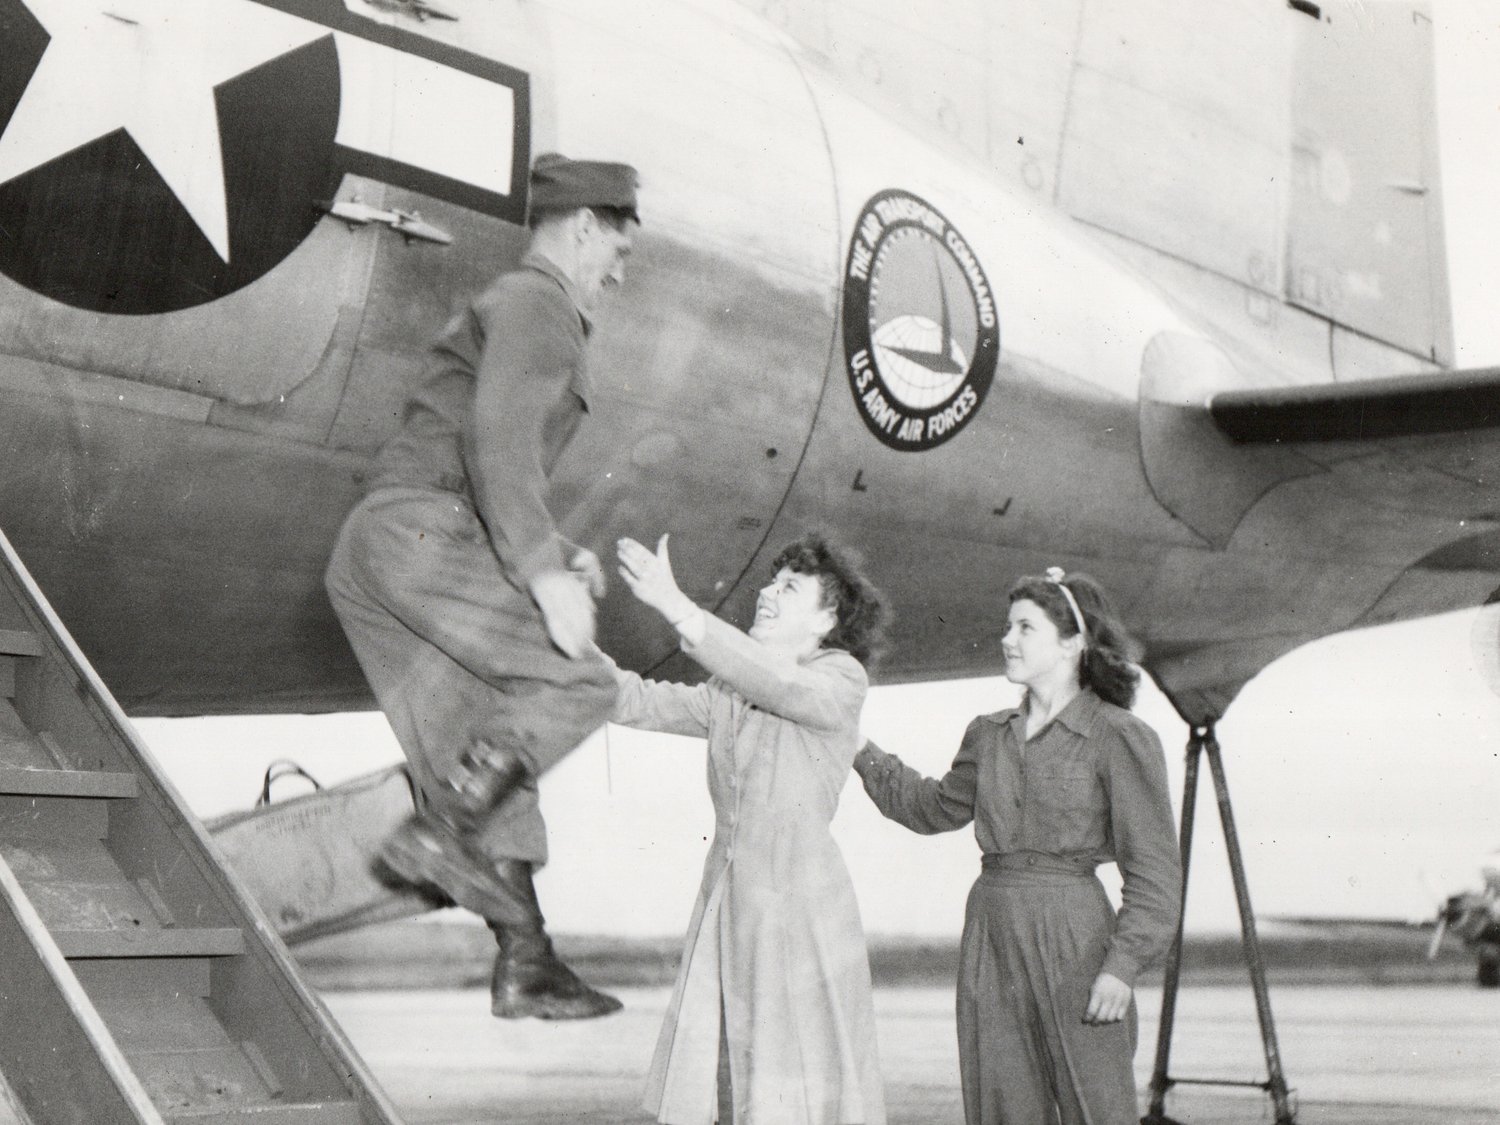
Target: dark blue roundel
{"type": "Point", "coordinates": [98, 227]}
{"type": "Point", "coordinates": [921, 325]}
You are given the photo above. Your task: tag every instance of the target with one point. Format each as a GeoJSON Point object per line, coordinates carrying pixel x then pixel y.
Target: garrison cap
{"type": "Point", "coordinates": [561, 184]}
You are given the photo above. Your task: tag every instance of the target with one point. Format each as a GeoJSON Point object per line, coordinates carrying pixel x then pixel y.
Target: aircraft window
{"type": "Point", "coordinates": [1306, 7]}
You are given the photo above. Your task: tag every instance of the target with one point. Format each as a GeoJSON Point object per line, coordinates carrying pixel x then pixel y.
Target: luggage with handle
{"type": "Point", "coordinates": [309, 861]}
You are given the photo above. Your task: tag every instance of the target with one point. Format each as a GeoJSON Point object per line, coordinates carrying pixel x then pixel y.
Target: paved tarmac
{"type": "Point", "coordinates": [1408, 1054]}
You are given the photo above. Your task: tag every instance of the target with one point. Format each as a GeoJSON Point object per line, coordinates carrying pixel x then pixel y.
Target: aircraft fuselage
{"type": "Point", "coordinates": [829, 320]}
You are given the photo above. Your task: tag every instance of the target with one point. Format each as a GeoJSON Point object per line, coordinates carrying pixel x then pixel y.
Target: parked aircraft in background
{"type": "Point", "coordinates": [1471, 915]}
{"type": "Point", "coordinates": [980, 287]}
{"type": "Point", "coordinates": [1474, 916]}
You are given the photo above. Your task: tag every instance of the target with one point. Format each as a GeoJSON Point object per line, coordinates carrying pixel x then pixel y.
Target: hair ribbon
{"type": "Point", "coordinates": [1055, 576]}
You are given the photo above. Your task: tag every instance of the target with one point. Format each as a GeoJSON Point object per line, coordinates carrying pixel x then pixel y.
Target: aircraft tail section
{"type": "Point", "coordinates": [1382, 486]}
{"type": "Point", "coordinates": [141, 985]}
{"type": "Point", "coordinates": [1290, 150]}
{"type": "Point", "coordinates": [1364, 237]}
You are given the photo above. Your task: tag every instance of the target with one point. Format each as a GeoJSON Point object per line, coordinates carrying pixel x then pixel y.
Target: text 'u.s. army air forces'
{"type": "Point", "coordinates": [166, 153]}
{"type": "Point", "coordinates": [921, 333]}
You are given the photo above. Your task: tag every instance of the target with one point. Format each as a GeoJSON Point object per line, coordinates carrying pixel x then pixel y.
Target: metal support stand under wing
{"type": "Point", "coordinates": [140, 984]}
{"type": "Point", "coordinates": [1201, 741]}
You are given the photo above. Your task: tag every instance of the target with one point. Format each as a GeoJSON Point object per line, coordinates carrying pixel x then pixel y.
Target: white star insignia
{"type": "Point", "coordinates": [148, 67]}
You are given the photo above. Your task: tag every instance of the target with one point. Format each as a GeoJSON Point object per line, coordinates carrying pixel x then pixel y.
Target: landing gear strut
{"type": "Point", "coordinates": [1202, 741]}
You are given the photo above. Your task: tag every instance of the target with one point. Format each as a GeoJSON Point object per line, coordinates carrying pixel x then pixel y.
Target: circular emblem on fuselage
{"type": "Point", "coordinates": [921, 333]}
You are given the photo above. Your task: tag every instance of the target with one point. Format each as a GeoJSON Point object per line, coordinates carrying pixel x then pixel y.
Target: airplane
{"type": "Point", "coordinates": [1475, 917]}
{"type": "Point", "coordinates": [1275, 451]}
{"type": "Point", "coordinates": [980, 288]}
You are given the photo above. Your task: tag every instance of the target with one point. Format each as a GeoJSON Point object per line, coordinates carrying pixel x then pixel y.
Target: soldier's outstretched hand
{"type": "Point", "coordinates": [586, 567]}
{"type": "Point", "coordinates": [567, 610]}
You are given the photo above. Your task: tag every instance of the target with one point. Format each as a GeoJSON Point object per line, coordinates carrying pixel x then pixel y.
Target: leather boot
{"type": "Point", "coordinates": [484, 777]}
{"type": "Point", "coordinates": [530, 979]}
{"type": "Point", "coordinates": [434, 851]}
{"type": "Point", "coordinates": [427, 853]}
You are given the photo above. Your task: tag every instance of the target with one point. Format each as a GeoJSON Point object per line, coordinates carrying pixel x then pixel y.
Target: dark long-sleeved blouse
{"type": "Point", "coordinates": [1089, 788]}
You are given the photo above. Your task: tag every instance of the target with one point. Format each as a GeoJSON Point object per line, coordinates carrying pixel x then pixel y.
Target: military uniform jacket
{"type": "Point", "coordinates": [504, 392]}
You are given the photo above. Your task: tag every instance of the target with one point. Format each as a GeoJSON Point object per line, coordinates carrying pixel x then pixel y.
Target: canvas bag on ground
{"type": "Point", "coordinates": [307, 861]}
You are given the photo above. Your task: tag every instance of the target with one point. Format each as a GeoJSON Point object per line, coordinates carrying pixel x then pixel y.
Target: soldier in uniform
{"type": "Point", "coordinates": [471, 616]}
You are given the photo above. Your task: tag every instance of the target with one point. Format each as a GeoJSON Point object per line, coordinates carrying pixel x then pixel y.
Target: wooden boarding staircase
{"type": "Point", "coordinates": [138, 982]}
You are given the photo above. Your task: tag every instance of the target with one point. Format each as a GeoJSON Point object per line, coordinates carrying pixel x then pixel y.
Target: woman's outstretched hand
{"type": "Point", "coordinates": [649, 576]}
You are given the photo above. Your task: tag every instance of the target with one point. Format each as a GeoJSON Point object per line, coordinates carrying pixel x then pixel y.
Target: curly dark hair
{"type": "Point", "coordinates": [860, 612]}
{"type": "Point", "coordinates": [1109, 652]}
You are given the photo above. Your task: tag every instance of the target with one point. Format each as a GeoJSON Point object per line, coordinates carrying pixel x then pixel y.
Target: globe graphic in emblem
{"type": "Point", "coordinates": [910, 354]}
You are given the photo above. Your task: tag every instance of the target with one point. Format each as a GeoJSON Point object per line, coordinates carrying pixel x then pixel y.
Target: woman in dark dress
{"type": "Point", "coordinates": [1066, 781]}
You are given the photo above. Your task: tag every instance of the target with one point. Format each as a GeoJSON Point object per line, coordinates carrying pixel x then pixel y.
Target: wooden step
{"type": "Point", "coordinates": [183, 1056]}
{"type": "Point", "coordinates": [13, 728]}
{"type": "Point", "coordinates": [219, 942]}
{"type": "Point", "coordinates": [93, 909]}
{"type": "Point", "coordinates": [20, 748]}
{"type": "Point", "coordinates": [56, 1049]}
{"type": "Point", "coordinates": [27, 816]}
{"type": "Point", "coordinates": [128, 979]}
{"type": "Point", "coordinates": [15, 645]}
{"type": "Point", "coordinates": [137, 984]}
{"type": "Point", "coordinates": [19, 642]}
{"type": "Point", "coordinates": [41, 782]}
{"type": "Point", "coordinates": [193, 1068]}
{"type": "Point", "coordinates": [304, 1113]}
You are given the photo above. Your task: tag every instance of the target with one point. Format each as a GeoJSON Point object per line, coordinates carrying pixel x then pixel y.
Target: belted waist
{"type": "Point", "coordinates": [456, 483]}
{"type": "Point", "coordinates": [1034, 867]}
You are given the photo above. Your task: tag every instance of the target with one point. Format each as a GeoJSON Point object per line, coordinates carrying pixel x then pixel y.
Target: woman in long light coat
{"type": "Point", "coordinates": [771, 1022]}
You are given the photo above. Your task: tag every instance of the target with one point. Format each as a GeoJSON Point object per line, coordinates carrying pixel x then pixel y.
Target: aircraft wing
{"type": "Point", "coordinates": [1384, 485]}
{"type": "Point", "coordinates": [1454, 402]}
{"type": "Point", "coordinates": [1425, 445]}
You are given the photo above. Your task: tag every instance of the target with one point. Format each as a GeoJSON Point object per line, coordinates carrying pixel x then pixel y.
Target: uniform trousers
{"type": "Point", "coordinates": [1034, 940]}
{"type": "Point", "coordinates": [456, 654]}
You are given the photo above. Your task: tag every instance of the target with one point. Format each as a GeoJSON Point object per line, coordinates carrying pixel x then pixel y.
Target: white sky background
{"type": "Point", "coordinates": [1365, 768]}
